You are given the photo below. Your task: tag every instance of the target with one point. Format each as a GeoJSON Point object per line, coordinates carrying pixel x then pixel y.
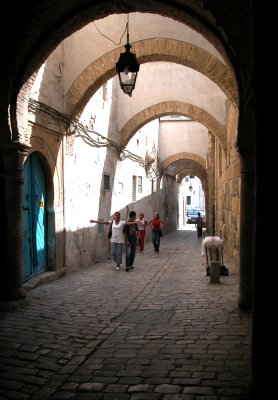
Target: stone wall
{"type": "Point", "coordinates": [227, 177]}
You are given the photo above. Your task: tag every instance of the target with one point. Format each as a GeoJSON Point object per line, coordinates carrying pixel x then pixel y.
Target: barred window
{"type": "Point", "coordinates": [140, 184]}
{"type": "Point", "coordinates": [106, 182]}
{"type": "Point", "coordinates": [134, 182]}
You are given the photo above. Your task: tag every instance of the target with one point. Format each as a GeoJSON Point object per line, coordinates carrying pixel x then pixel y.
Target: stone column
{"type": "Point", "coordinates": [12, 184]}
{"type": "Point", "coordinates": [210, 208]}
{"type": "Point", "coordinates": [247, 216]}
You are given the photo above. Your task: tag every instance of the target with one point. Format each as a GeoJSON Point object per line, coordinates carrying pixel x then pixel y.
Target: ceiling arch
{"type": "Point", "coordinates": [184, 156]}
{"type": "Point", "coordinates": [182, 164]}
{"type": "Point", "coordinates": [202, 175]}
{"type": "Point", "coordinates": [173, 108]}
{"type": "Point", "coordinates": [50, 24]}
{"type": "Point", "coordinates": [157, 49]}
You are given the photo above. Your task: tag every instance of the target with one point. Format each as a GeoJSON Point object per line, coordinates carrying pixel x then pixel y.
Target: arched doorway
{"type": "Point", "coordinates": [34, 218]}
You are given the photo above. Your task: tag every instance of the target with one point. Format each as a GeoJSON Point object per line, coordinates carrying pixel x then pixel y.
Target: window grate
{"type": "Point", "coordinates": [106, 182]}
{"type": "Point", "coordinates": [134, 181]}
{"type": "Point", "coordinates": [140, 184]}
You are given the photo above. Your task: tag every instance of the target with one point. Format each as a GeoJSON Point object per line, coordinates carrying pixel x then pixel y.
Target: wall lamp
{"type": "Point", "coordinates": [127, 67]}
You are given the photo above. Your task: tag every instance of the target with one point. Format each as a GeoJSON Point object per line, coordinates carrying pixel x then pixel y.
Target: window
{"type": "Point", "coordinates": [137, 186]}
{"type": "Point", "coordinates": [134, 181]}
{"type": "Point", "coordinates": [220, 159]}
{"type": "Point", "coordinates": [188, 200]}
{"type": "Point", "coordinates": [106, 182]}
{"type": "Point", "coordinates": [140, 184]}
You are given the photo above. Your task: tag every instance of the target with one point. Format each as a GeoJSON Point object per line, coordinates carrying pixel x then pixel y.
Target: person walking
{"type": "Point", "coordinates": [156, 231]}
{"type": "Point", "coordinates": [130, 233]}
{"type": "Point", "coordinates": [142, 225]}
{"type": "Point", "coordinates": [117, 238]}
{"type": "Point", "coordinates": [199, 225]}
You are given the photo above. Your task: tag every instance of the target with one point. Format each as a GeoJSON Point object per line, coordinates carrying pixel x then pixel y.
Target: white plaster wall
{"type": "Point", "coordinates": [83, 180]}
{"type": "Point", "coordinates": [48, 85]}
{"type": "Point", "coordinates": [183, 84]}
{"type": "Point", "coordinates": [96, 114]}
{"type": "Point", "coordinates": [85, 198]}
{"type": "Point", "coordinates": [182, 136]}
{"type": "Point", "coordinates": [145, 139]}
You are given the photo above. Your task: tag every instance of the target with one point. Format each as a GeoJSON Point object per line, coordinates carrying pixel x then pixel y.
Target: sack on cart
{"type": "Point", "coordinates": [212, 249]}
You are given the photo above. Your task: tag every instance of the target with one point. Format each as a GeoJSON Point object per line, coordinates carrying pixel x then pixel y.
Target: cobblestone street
{"type": "Point", "coordinates": [159, 332]}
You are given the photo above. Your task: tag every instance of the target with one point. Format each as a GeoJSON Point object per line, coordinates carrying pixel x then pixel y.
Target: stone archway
{"type": "Point", "coordinates": [174, 108]}
{"type": "Point", "coordinates": [158, 49]}
{"type": "Point", "coordinates": [183, 156]}
{"type": "Point", "coordinates": [95, 76]}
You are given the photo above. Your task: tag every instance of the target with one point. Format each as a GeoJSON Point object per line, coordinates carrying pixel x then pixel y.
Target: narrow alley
{"type": "Point", "coordinates": [159, 332]}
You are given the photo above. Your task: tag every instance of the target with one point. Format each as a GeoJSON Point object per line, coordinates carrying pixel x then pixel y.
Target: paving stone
{"type": "Point", "coordinates": [162, 331]}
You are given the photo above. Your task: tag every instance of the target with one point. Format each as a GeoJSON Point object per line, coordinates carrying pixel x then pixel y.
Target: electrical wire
{"type": "Point", "coordinates": [95, 139]}
{"type": "Point", "coordinates": [106, 37]}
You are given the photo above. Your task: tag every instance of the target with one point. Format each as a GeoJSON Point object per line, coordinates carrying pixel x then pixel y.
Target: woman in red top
{"type": "Point", "coordinates": [156, 229]}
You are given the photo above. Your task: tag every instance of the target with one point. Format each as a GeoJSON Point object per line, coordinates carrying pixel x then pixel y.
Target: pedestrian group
{"type": "Point", "coordinates": [131, 233]}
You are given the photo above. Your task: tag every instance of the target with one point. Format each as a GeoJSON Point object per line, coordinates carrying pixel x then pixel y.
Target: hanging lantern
{"type": "Point", "coordinates": [127, 68]}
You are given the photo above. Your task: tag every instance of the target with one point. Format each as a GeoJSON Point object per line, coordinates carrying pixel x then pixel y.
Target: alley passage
{"type": "Point", "coordinates": [159, 332]}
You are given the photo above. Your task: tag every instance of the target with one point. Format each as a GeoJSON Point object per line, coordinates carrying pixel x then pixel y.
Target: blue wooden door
{"type": "Point", "coordinates": [34, 218]}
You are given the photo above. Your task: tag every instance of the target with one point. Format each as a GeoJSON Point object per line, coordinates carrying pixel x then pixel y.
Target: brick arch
{"type": "Point", "coordinates": [199, 172]}
{"type": "Point", "coordinates": [192, 164]}
{"type": "Point", "coordinates": [54, 22]}
{"type": "Point", "coordinates": [183, 156]}
{"type": "Point", "coordinates": [51, 23]}
{"type": "Point", "coordinates": [173, 108]}
{"type": "Point", "coordinates": [157, 49]}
